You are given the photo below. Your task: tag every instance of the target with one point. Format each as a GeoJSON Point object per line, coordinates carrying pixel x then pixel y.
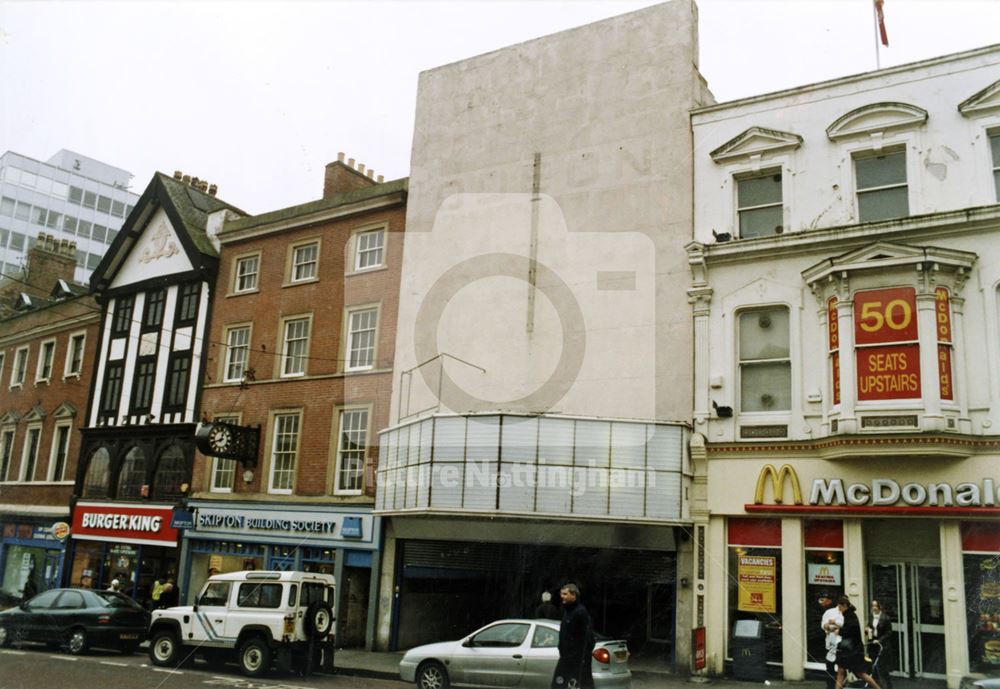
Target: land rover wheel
{"type": "Point", "coordinates": [255, 657]}
{"type": "Point", "coordinates": [318, 620]}
{"type": "Point", "coordinates": [164, 648]}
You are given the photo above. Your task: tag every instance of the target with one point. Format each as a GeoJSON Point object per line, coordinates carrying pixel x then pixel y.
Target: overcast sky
{"type": "Point", "coordinates": [258, 96]}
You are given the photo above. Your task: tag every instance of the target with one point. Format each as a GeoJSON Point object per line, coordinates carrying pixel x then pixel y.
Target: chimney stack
{"type": "Point", "coordinates": [341, 177]}
{"type": "Point", "coordinates": [340, 157]}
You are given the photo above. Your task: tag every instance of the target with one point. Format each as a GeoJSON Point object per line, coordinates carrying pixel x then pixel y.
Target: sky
{"type": "Point", "coordinates": [258, 97]}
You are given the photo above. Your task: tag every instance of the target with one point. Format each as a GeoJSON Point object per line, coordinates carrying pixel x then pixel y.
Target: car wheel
{"type": "Point", "coordinates": [76, 642]}
{"type": "Point", "coordinates": [319, 619]}
{"type": "Point", "coordinates": [4, 636]}
{"type": "Point", "coordinates": [255, 657]}
{"type": "Point", "coordinates": [164, 648]}
{"type": "Point", "coordinates": [432, 675]}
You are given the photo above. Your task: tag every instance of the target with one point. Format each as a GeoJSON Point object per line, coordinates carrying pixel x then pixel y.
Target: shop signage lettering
{"type": "Point", "coordinates": [239, 521]}
{"type": "Point", "coordinates": [879, 492]}
{"type": "Point", "coordinates": [278, 522]}
{"type": "Point", "coordinates": [823, 575]}
{"type": "Point", "coordinates": [883, 320]}
{"type": "Point", "coordinates": [122, 522]}
{"type": "Point", "coordinates": [757, 577]}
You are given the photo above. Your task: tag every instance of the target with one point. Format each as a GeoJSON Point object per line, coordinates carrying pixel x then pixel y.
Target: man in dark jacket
{"type": "Point", "coordinates": [576, 642]}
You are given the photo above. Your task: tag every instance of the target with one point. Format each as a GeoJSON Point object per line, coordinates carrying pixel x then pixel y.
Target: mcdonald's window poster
{"type": "Point", "coordinates": [823, 574]}
{"type": "Point", "coordinates": [885, 333]}
{"type": "Point", "coordinates": [757, 576]}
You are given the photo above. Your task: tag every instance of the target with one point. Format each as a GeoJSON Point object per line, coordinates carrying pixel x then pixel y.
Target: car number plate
{"type": "Point", "coordinates": [128, 636]}
{"type": "Point", "coordinates": [621, 656]}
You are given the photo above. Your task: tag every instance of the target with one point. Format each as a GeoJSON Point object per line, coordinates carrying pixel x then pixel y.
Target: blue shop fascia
{"type": "Point", "coordinates": [343, 540]}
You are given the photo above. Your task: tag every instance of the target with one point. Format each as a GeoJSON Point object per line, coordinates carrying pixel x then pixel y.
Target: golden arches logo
{"type": "Point", "coordinates": [778, 477]}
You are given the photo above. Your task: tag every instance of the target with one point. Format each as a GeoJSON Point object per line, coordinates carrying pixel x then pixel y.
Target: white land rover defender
{"type": "Point", "coordinates": [255, 618]}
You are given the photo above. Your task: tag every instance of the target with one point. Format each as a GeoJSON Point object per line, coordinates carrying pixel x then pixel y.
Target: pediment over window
{"type": "Point", "coordinates": [885, 255]}
{"type": "Point", "coordinates": [9, 418]}
{"type": "Point", "coordinates": [983, 102]}
{"type": "Point", "coordinates": [37, 413]}
{"type": "Point", "coordinates": [756, 141]}
{"type": "Point", "coordinates": [876, 119]}
{"type": "Point", "coordinates": [66, 410]}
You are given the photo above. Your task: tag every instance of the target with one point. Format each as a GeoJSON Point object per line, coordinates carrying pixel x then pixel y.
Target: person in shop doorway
{"type": "Point", "coordinates": [169, 596]}
{"type": "Point", "coordinates": [851, 649]}
{"type": "Point", "coordinates": [879, 633]}
{"type": "Point", "coordinates": [547, 610]}
{"type": "Point", "coordinates": [831, 623]}
{"type": "Point", "coordinates": [115, 586]}
{"type": "Point", "coordinates": [576, 643]}
{"type": "Point", "coordinates": [30, 587]}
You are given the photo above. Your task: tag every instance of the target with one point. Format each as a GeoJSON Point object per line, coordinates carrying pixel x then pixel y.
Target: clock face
{"type": "Point", "coordinates": [220, 438]}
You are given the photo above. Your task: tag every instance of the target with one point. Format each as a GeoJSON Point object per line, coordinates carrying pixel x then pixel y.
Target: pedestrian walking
{"type": "Point", "coordinates": [547, 610]}
{"type": "Point", "coordinates": [851, 650]}
{"type": "Point", "coordinates": [576, 642]}
{"type": "Point", "coordinates": [832, 621]}
{"type": "Point", "coordinates": [879, 633]}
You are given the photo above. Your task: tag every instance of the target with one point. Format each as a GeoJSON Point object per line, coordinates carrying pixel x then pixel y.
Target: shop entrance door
{"type": "Point", "coordinates": [911, 594]}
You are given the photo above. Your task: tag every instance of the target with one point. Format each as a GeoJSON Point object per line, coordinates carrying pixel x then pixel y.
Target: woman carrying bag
{"type": "Point", "coordinates": [851, 650]}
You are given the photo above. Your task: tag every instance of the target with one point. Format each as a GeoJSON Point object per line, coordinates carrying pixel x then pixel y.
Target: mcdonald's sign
{"type": "Point", "coordinates": [778, 477]}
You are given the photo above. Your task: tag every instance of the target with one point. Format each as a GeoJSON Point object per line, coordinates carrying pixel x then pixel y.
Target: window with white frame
{"type": "Point", "coordinates": [352, 443]}
{"type": "Point", "coordinates": [237, 351]}
{"type": "Point", "coordinates": [246, 274]}
{"type": "Point", "coordinates": [371, 245]}
{"type": "Point", "coordinates": [361, 338]}
{"type": "Point", "coordinates": [6, 451]}
{"type": "Point", "coordinates": [295, 347]}
{"type": "Point", "coordinates": [3, 358]}
{"type": "Point", "coordinates": [881, 186]}
{"type": "Point", "coordinates": [46, 353]}
{"type": "Point", "coordinates": [284, 450]}
{"type": "Point", "coordinates": [74, 354]}
{"type": "Point", "coordinates": [304, 260]}
{"type": "Point", "coordinates": [20, 368]}
{"type": "Point", "coordinates": [223, 470]}
{"type": "Point", "coordinates": [765, 364]}
{"type": "Point", "coordinates": [995, 152]}
{"type": "Point", "coordinates": [29, 456]}
{"type": "Point", "coordinates": [759, 204]}
{"type": "Point", "coordinates": [60, 449]}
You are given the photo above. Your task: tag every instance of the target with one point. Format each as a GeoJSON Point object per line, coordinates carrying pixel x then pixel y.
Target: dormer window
{"type": "Point", "coordinates": [759, 205]}
{"type": "Point", "coordinates": [881, 186]}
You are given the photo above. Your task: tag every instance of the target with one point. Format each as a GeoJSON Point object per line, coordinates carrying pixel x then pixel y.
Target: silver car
{"type": "Point", "coordinates": [508, 653]}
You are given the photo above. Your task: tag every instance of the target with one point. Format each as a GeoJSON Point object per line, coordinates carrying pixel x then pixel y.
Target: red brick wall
{"type": "Point", "coordinates": [325, 387]}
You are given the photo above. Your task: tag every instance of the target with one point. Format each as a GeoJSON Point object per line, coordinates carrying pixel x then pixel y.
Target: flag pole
{"type": "Point", "coordinates": [878, 59]}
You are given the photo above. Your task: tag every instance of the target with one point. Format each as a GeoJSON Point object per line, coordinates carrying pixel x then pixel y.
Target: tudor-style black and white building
{"type": "Point", "coordinates": [137, 451]}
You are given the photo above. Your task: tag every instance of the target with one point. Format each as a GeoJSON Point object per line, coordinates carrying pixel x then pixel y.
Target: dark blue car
{"type": "Point", "coordinates": [76, 619]}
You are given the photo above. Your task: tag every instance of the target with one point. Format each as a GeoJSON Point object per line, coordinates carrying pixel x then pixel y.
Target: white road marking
{"type": "Point", "coordinates": [108, 662]}
{"type": "Point", "coordinates": [168, 671]}
{"type": "Point", "coordinates": [15, 653]}
{"type": "Point", "coordinates": [67, 658]}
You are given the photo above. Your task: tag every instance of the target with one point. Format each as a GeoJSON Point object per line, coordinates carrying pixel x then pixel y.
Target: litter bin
{"type": "Point", "coordinates": [747, 647]}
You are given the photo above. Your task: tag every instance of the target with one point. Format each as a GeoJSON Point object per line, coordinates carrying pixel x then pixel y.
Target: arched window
{"type": "Point", "coordinates": [95, 483]}
{"type": "Point", "coordinates": [132, 475]}
{"type": "Point", "coordinates": [171, 472]}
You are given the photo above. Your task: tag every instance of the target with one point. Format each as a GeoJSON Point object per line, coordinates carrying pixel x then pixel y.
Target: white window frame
{"type": "Point", "coordinates": [68, 371]}
{"type": "Point", "coordinates": [358, 238]}
{"type": "Point", "coordinates": [221, 466]}
{"type": "Point", "coordinates": [25, 448]}
{"type": "Point", "coordinates": [227, 362]}
{"type": "Point", "coordinates": [294, 263]}
{"type": "Point", "coordinates": [237, 263]}
{"type": "Point", "coordinates": [44, 346]}
{"type": "Point", "coordinates": [338, 473]}
{"type": "Point", "coordinates": [768, 171]}
{"type": "Point", "coordinates": [858, 191]}
{"type": "Point", "coordinates": [277, 418]}
{"type": "Point", "coordinates": [3, 360]}
{"type": "Point", "coordinates": [993, 134]}
{"type": "Point", "coordinates": [66, 426]}
{"type": "Point", "coordinates": [23, 366]}
{"type": "Point", "coordinates": [769, 414]}
{"type": "Point", "coordinates": [285, 358]}
{"type": "Point", "coordinates": [349, 332]}
{"type": "Point", "coordinates": [8, 449]}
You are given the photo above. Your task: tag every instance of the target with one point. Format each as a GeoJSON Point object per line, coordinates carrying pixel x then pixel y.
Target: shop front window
{"type": "Point", "coordinates": [982, 594]}
{"type": "Point", "coordinates": [23, 573]}
{"type": "Point", "coordinates": [755, 578]}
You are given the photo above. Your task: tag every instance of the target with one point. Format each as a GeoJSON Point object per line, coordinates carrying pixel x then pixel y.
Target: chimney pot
{"type": "Point", "coordinates": [178, 174]}
{"type": "Point", "coordinates": [371, 173]}
{"type": "Point", "coordinates": [361, 168]}
{"type": "Point", "coordinates": [381, 178]}
{"type": "Point", "coordinates": [340, 157]}
{"type": "Point", "coordinates": [213, 189]}
{"type": "Point", "coordinates": [186, 179]}
{"type": "Point", "coordinates": [350, 162]}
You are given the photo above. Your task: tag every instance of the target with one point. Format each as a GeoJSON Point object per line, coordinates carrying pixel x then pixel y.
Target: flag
{"type": "Point", "coordinates": [880, 17]}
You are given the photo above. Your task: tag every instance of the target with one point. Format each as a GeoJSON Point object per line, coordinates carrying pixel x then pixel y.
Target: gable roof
{"type": "Point", "coordinates": [186, 207]}
{"type": "Point", "coordinates": [756, 141]}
